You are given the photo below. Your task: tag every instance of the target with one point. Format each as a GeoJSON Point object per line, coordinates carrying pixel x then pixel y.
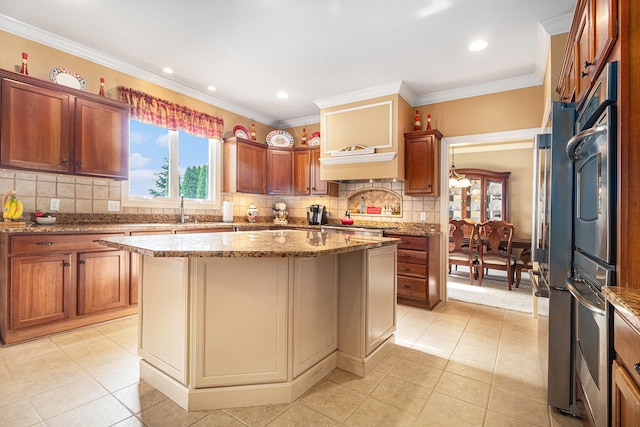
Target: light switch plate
{"type": "Point", "coordinates": [423, 216]}
{"type": "Point", "coordinates": [54, 205]}
{"type": "Point", "coordinates": [113, 206]}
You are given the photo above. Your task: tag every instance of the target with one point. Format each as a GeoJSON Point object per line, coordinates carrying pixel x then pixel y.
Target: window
{"type": "Point", "coordinates": [165, 164]}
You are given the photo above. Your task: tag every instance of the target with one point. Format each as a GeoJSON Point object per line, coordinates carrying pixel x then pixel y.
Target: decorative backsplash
{"type": "Point", "coordinates": [377, 201]}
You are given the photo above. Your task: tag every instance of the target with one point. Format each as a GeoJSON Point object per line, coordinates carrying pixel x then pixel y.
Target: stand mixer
{"type": "Point", "coordinates": [280, 210]}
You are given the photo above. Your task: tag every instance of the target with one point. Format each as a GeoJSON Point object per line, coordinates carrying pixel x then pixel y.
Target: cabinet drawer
{"type": "Point", "coordinates": [408, 269]}
{"type": "Point", "coordinates": [410, 242]}
{"type": "Point", "coordinates": [49, 243]}
{"type": "Point", "coordinates": [412, 287]}
{"type": "Point", "coordinates": [414, 257]}
{"type": "Point", "coordinates": [626, 341]}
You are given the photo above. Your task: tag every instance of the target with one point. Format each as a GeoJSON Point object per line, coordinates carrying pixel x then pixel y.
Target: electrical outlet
{"type": "Point", "coordinates": [54, 205]}
{"type": "Point", "coordinates": [423, 216]}
{"type": "Point", "coordinates": [113, 206]}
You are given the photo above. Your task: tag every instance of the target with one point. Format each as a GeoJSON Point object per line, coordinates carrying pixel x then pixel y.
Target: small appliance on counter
{"type": "Point", "coordinates": [317, 214]}
{"type": "Point", "coordinates": [280, 212]}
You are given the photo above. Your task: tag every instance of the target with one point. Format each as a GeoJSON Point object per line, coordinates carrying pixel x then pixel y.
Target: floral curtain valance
{"type": "Point", "coordinates": [149, 109]}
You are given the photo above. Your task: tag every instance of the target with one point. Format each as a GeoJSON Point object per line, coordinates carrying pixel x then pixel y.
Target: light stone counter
{"type": "Point", "coordinates": [266, 243]}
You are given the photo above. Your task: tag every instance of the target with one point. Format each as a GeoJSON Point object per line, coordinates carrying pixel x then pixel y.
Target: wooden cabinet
{"type": "Point", "coordinates": [279, 171]}
{"type": "Point", "coordinates": [486, 199]}
{"type": "Point", "coordinates": [51, 128]}
{"type": "Point", "coordinates": [54, 282]}
{"type": "Point", "coordinates": [245, 166]}
{"type": "Point", "coordinates": [593, 33]}
{"type": "Point", "coordinates": [625, 375]}
{"type": "Point", "coordinates": [422, 163]}
{"type": "Point", "coordinates": [418, 270]}
{"type": "Point", "coordinates": [306, 169]}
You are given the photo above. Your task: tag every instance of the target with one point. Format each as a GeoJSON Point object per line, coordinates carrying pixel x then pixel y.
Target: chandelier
{"type": "Point", "coordinates": [456, 179]}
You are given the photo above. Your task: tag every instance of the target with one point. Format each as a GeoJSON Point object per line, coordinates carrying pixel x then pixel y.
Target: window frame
{"type": "Point", "coordinates": [215, 181]}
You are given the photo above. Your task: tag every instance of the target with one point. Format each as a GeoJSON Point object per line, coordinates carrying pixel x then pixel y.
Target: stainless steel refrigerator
{"type": "Point", "coordinates": [553, 220]}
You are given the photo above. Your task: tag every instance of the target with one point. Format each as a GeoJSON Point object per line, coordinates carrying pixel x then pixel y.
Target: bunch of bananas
{"type": "Point", "coordinates": [11, 207]}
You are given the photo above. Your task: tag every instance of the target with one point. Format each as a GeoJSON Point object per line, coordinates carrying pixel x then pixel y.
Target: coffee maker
{"type": "Point", "coordinates": [316, 214]}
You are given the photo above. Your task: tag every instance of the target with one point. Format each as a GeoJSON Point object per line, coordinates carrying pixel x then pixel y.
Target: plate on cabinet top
{"type": "Point", "coordinates": [240, 132]}
{"type": "Point", "coordinates": [314, 139]}
{"type": "Point", "coordinates": [68, 78]}
{"type": "Point", "coordinates": [279, 138]}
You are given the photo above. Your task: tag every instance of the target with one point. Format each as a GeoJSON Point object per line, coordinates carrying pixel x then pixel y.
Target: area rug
{"type": "Point", "coordinates": [494, 292]}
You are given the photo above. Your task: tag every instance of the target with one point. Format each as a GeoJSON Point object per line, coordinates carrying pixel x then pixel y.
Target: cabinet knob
{"type": "Point", "coordinates": [583, 74]}
{"type": "Point", "coordinates": [587, 64]}
{"type": "Point", "coordinates": [79, 162]}
{"type": "Point", "coordinates": [67, 264]}
{"type": "Point", "coordinates": [65, 161]}
{"type": "Point", "coordinates": [83, 262]}
{"type": "Point", "coordinates": [637, 367]}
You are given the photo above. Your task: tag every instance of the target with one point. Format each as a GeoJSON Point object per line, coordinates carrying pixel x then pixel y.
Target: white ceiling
{"type": "Point", "coordinates": [313, 50]}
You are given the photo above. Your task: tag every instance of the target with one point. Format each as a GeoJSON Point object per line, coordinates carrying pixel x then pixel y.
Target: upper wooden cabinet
{"type": "Point", "coordinates": [280, 171]}
{"type": "Point", "coordinates": [422, 163]}
{"type": "Point", "coordinates": [593, 33]}
{"type": "Point", "coordinates": [306, 169]}
{"type": "Point", "coordinates": [245, 166]}
{"type": "Point", "coordinates": [51, 128]}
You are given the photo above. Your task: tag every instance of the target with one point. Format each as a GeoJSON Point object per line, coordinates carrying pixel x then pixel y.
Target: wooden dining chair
{"type": "Point", "coordinates": [495, 253]}
{"type": "Point", "coordinates": [523, 262]}
{"type": "Point", "coordinates": [463, 245]}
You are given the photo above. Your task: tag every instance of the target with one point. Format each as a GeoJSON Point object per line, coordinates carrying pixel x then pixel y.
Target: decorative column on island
{"type": "Point", "coordinates": [255, 318]}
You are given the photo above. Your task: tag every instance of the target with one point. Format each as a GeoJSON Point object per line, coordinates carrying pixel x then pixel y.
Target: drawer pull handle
{"type": "Point", "coordinates": [83, 262]}
{"type": "Point", "coordinates": [45, 243]}
{"type": "Point", "coordinates": [637, 367]}
{"type": "Point", "coordinates": [404, 269]}
{"type": "Point", "coordinates": [403, 242]}
{"type": "Point", "coordinates": [67, 264]}
{"type": "Point", "coordinates": [402, 285]}
{"type": "Point", "coordinates": [405, 256]}
{"type": "Point", "coordinates": [96, 241]}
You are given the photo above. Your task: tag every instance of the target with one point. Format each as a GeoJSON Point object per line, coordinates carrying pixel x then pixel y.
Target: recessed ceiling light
{"type": "Point", "coordinates": [477, 45]}
{"type": "Point", "coordinates": [167, 70]}
{"type": "Point", "coordinates": [282, 95]}
{"type": "Point", "coordinates": [211, 88]}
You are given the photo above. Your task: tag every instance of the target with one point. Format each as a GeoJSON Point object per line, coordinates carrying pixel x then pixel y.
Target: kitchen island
{"type": "Point", "coordinates": [259, 317]}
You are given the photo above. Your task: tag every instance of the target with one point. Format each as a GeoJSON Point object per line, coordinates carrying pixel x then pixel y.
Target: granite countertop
{"type": "Point", "coordinates": [626, 301]}
{"type": "Point", "coordinates": [265, 243]}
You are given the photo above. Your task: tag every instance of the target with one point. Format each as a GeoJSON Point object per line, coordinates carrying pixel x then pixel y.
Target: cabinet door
{"type": "Point", "coordinates": [252, 169]}
{"type": "Point", "coordinates": [302, 172]}
{"type": "Point", "coordinates": [40, 289]}
{"type": "Point", "coordinates": [318, 186]}
{"type": "Point", "coordinates": [583, 53]}
{"type": "Point", "coordinates": [101, 139]}
{"type": "Point", "coordinates": [625, 398]}
{"type": "Point", "coordinates": [380, 296]}
{"type": "Point", "coordinates": [605, 31]}
{"type": "Point", "coordinates": [422, 165]}
{"type": "Point", "coordinates": [102, 281]}
{"type": "Point", "coordinates": [36, 128]}
{"type": "Point", "coordinates": [280, 172]}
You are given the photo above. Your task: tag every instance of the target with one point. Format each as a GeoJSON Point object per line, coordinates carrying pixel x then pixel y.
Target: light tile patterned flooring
{"type": "Point", "coordinates": [459, 365]}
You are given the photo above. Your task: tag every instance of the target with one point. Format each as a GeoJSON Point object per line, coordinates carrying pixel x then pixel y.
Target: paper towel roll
{"type": "Point", "coordinates": [227, 211]}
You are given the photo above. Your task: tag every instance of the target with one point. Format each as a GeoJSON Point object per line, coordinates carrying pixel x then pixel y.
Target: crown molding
{"type": "Point", "coordinates": [309, 120]}
{"type": "Point", "coordinates": [48, 39]}
{"type": "Point", "coordinates": [394, 88]}
{"type": "Point", "coordinates": [558, 25]}
{"type": "Point", "coordinates": [514, 136]}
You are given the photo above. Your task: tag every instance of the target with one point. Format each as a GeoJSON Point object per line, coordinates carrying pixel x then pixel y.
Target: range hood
{"type": "Point", "coordinates": [376, 119]}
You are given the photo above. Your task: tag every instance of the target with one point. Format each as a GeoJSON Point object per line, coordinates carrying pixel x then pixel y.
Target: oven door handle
{"type": "Point", "coordinates": [582, 299]}
{"type": "Point", "coordinates": [575, 143]}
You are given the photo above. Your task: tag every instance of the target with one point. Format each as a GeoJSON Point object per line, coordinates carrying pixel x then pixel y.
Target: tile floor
{"type": "Point", "coordinates": [459, 365]}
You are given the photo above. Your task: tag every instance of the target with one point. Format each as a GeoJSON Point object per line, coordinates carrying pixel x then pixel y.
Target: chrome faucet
{"type": "Point", "coordinates": [182, 208]}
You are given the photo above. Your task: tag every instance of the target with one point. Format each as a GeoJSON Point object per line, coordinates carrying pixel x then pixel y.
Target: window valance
{"type": "Point", "coordinates": [149, 109]}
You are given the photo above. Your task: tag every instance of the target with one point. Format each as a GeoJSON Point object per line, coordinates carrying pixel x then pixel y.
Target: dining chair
{"type": "Point", "coordinates": [463, 245]}
{"type": "Point", "coordinates": [523, 262]}
{"type": "Point", "coordinates": [495, 253]}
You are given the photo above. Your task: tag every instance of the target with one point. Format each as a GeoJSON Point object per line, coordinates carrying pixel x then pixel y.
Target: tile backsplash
{"type": "Point", "coordinates": [83, 195]}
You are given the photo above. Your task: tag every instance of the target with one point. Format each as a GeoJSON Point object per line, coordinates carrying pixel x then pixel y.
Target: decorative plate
{"type": "Point", "coordinates": [314, 139]}
{"type": "Point", "coordinates": [67, 78]}
{"type": "Point", "coordinates": [279, 138]}
{"type": "Point", "coordinates": [240, 132]}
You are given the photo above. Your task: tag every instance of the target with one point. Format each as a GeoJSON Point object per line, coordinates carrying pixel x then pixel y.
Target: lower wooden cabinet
{"type": "Point", "coordinates": [53, 282]}
{"type": "Point", "coordinates": [625, 374]}
{"type": "Point", "coordinates": [418, 269]}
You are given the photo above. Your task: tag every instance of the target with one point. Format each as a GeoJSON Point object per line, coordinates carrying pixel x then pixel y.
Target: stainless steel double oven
{"type": "Point", "coordinates": [593, 151]}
